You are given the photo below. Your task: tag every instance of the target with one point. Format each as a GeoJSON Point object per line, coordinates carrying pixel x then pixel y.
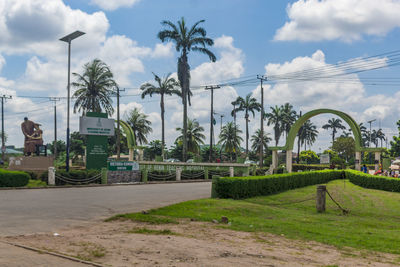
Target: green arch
{"type": "Point", "coordinates": [349, 120]}
{"type": "Point", "coordinates": [130, 135]}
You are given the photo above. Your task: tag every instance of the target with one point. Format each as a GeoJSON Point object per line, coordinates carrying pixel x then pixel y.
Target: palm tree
{"type": "Point", "coordinates": [141, 127]}
{"type": "Point", "coordinates": [94, 88]}
{"type": "Point", "coordinates": [186, 40]}
{"type": "Point", "coordinates": [380, 135]}
{"type": "Point", "coordinates": [194, 136]}
{"type": "Point", "coordinates": [248, 105]}
{"type": "Point", "coordinates": [334, 124]}
{"type": "Point", "coordinates": [364, 134]}
{"type": "Point", "coordinates": [257, 140]}
{"type": "Point", "coordinates": [275, 117]}
{"type": "Point", "coordinates": [307, 136]}
{"type": "Point", "coordinates": [289, 117]}
{"type": "Point", "coordinates": [165, 86]}
{"type": "Point", "coordinates": [230, 139]}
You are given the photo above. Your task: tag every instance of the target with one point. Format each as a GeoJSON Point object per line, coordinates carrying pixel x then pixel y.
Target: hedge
{"type": "Point", "coordinates": [13, 178]}
{"type": "Point", "coordinates": [373, 181]}
{"type": "Point", "coordinates": [308, 167]}
{"type": "Point", "coordinates": [245, 187]}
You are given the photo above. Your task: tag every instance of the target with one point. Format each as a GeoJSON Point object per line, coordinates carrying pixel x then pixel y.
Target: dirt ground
{"type": "Point", "coordinates": [192, 243]}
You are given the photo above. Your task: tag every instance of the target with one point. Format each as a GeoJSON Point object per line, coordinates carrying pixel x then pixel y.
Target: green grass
{"type": "Point", "coordinates": [147, 218]}
{"type": "Point", "coordinates": [147, 231]}
{"type": "Point", "coordinates": [373, 222]}
{"type": "Point", "coordinates": [36, 183]}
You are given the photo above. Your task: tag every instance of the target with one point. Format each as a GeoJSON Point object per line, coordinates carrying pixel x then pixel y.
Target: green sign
{"type": "Point", "coordinates": [97, 147]}
{"type": "Point", "coordinates": [123, 166]}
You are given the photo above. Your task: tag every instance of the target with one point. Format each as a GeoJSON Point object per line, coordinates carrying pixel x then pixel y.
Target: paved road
{"type": "Point", "coordinates": [43, 210]}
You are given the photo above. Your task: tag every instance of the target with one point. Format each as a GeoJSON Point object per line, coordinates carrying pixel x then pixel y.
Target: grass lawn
{"type": "Point", "coordinates": [373, 222]}
{"type": "Point", "coordinates": [36, 183]}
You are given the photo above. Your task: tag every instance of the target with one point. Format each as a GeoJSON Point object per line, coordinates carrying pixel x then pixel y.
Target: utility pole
{"type": "Point", "coordinates": [3, 146]}
{"type": "Point", "coordinates": [212, 87]}
{"type": "Point", "coordinates": [262, 78]}
{"type": "Point", "coordinates": [370, 131]}
{"type": "Point", "coordinates": [118, 125]}
{"type": "Point", "coordinates": [55, 99]}
{"type": "Point", "coordinates": [220, 129]}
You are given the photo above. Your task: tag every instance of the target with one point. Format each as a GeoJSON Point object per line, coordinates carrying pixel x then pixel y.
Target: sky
{"type": "Point", "coordinates": [271, 38]}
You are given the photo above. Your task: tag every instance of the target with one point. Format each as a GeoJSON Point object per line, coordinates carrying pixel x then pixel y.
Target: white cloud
{"type": "Point", "coordinates": [346, 20]}
{"type": "Point", "coordinates": [114, 4]}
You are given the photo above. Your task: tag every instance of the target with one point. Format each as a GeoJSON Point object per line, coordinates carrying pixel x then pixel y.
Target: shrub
{"type": "Point", "coordinates": [13, 178]}
{"type": "Point", "coordinates": [373, 181]}
{"type": "Point", "coordinates": [308, 167]}
{"type": "Point", "coordinates": [245, 187]}
{"type": "Point", "coordinates": [33, 175]}
{"type": "Point", "coordinates": [76, 175]}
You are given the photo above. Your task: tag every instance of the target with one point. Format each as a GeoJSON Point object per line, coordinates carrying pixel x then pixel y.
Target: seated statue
{"type": "Point", "coordinates": [33, 136]}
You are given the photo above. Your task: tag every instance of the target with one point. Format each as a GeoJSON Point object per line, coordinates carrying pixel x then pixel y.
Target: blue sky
{"type": "Point", "coordinates": [251, 37]}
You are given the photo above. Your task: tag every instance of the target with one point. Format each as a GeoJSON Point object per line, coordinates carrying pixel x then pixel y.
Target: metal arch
{"type": "Point", "coordinates": [130, 135]}
{"type": "Point", "coordinates": [349, 120]}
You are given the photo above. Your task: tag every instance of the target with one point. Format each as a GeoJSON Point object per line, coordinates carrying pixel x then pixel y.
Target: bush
{"type": "Point", "coordinates": [13, 178]}
{"type": "Point", "coordinates": [33, 175]}
{"type": "Point", "coordinates": [245, 187]}
{"type": "Point", "coordinates": [373, 181]}
{"type": "Point", "coordinates": [75, 175]}
{"type": "Point", "coordinates": [308, 167]}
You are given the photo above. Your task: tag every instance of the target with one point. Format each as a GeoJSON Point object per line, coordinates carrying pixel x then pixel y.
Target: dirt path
{"type": "Point", "coordinates": [194, 244]}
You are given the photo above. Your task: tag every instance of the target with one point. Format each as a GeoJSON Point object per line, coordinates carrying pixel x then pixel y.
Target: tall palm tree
{"type": "Point", "coordinates": [289, 117]}
{"type": "Point", "coordinates": [364, 134]}
{"type": "Point", "coordinates": [194, 135]}
{"type": "Point", "coordinates": [186, 40]}
{"type": "Point", "coordinates": [249, 105]}
{"type": "Point", "coordinates": [307, 135]}
{"type": "Point", "coordinates": [257, 140]}
{"type": "Point", "coordinates": [165, 86]}
{"type": "Point", "coordinates": [275, 117]}
{"type": "Point", "coordinates": [380, 135]}
{"type": "Point", "coordinates": [335, 125]}
{"type": "Point", "coordinates": [94, 88]}
{"type": "Point", "coordinates": [140, 125]}
{"type": "Point", "coordinates": [230, 139]}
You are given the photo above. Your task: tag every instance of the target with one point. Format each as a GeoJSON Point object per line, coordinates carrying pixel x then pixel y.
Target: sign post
{"type": "Point", "coordinates": [97, 128]}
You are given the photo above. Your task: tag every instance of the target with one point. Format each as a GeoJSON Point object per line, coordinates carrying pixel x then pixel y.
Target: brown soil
{"type": "Point", "coordinates": [194, 244]}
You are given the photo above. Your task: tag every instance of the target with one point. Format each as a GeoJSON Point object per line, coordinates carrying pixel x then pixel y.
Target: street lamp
{"type": "Point", "coordinates": [68, 38]}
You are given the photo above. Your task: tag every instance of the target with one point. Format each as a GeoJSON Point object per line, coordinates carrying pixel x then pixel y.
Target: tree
{"type": "Point", "coordinates": [380, 135]}
{"type": "Point", "coordinates": [154, 149]}
{"type": "Point", "coordinates": [78, 144]}
{"type": "Point", "coordinates": [186, 40]}
{"type": "Point", "coordinates": [230, 139]}
{"type": "Point", "coordinates": [165, 86]}
{"type": "Point", "coordinates": [140, 125]}
{"type": "Point", "coordinates": [288, 118]}
{"type": "Point", "coordinates": [94, 88]}
{"type": "Point", "coordinates": [335, 125]}
{"type": "Point", "coordinates": [309, 156]}
{"type": "Point", "coordinates": [248, 105]}
{"type": "Point", "coordinates": [194, 136]}
{"type": "Point", "coordinates": [306, 136]}
{"type": "Point", "coordinates": [395, 144]}
{"type": "Point", "coordinates": [61, 147]}
{"type": "Point", "coordinates": [275, 117]}
{"type": "Point", "coordinates": [345, 147]}
{"type": "Point", "coordinates": [364, 134]}
{"type": "Point", "coordinates": [257, 140]}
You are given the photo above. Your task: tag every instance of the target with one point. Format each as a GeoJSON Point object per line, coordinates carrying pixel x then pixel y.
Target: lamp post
{"type": "Point", "coordinates": [68, 38]}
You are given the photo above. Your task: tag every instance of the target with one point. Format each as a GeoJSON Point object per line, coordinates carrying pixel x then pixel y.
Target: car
{"type": "Point", "coordinates": [190, 161]}
{"type": "Point", "coordinates": [249, 162]}
{"type": "Point", "coordinates": [172, 160]}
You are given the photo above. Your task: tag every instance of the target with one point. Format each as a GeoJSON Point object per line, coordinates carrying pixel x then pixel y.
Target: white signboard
{"type": "Point", "coordinates": [324, 159]}
{"type": "Point", "coordinates": [96, 126]}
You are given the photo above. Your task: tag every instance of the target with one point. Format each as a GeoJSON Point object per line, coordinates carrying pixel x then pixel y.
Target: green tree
{"type": "Point", "coordinates": [249, 105]}
{"type": "Point", "coordinates": [61, 147]}
{"type": "Point", "coordinates": [257, 140]}
{"type": "Point", "coordinates": [275, 117]}
{"type": "Point", "coordinates": [395, 144]}
{"type": "Point", "coordinates": [288, 118]}
{"type": "Point", "coordinates": [380, 135]}
{"type": "Point", "coordinates": [94, 88]}
{"type": "Point", "coordinates": [78, 144]}
{"type": "Point", "coordinates": [309, 156]}
{"type": "Point", "coordinates": [364, 134]}
{"type": "Point", "coordinates": [194, 136]}
{"type": "Point", "coordinates": [165, 86]}
{"type": "Point", "coordinates": [186, 40]}
{"type": "Point", "coordinates": [140, 125]}
{"type": "Point", "coordinates": [335, 125]}
{"type": "Point", "coordinates": [154, 149]}
{"type": "Point", "coordinates": [345, 147]}
{"type": "Point", "coordinates": [230, 139]}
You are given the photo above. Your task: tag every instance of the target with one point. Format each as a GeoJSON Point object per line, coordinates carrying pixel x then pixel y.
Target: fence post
{"type": "Point", "coordinates": [145, 173]}
{"type": "Point", "coordinates": [104, 177]}
{"type": "Point", "coordinates": [321, 198]}
{"type": "Point", "coordinates": [206, 173]}
{"type": "Point", "coordinates": [178, 173]}
{"type": "Point", "coordinates": [231, 172]}
{"type": "Point", "coordinates": [51, 179]}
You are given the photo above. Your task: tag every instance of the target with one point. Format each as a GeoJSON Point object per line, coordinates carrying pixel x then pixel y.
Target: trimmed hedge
{"type": "Point", "coordinates": [308, 167]}
{"type": "Point", "coordinates": [373, 181]}
{"type": "Point", "coordinates": [13, 178]}
{"type": "Point", "coordinates": [245, 187]}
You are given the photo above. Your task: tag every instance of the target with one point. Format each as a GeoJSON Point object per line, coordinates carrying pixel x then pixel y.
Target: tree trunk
{"type": "Point", "coordinates": [162, 127]}
{"type": "Point", "coordinates": [247, 132]}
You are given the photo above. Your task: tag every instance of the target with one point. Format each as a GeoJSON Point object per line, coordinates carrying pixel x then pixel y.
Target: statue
{"type": "Point", "coordinates": [33, 136]}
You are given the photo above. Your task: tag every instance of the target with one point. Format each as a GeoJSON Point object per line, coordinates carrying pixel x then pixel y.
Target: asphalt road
{"type": "Point", "coordinates": [29, 211]}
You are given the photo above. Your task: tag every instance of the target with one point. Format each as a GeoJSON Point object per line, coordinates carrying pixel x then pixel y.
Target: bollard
{"type": "Point", "coordinates": [231, 172]}
{"type": "Point", "coordinates": [178, 173]}
{"type": "Point", "coordinates": [321, 198]}
{"type": "Point", "coordinates": [51, 180]}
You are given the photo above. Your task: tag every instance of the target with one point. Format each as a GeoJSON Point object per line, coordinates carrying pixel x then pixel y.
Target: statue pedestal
{"type": "Point", "coordinates": [31, 163]}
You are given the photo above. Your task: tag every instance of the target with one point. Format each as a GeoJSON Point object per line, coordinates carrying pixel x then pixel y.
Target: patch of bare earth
{"type": "Point", "coordinates": [127, 243]}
